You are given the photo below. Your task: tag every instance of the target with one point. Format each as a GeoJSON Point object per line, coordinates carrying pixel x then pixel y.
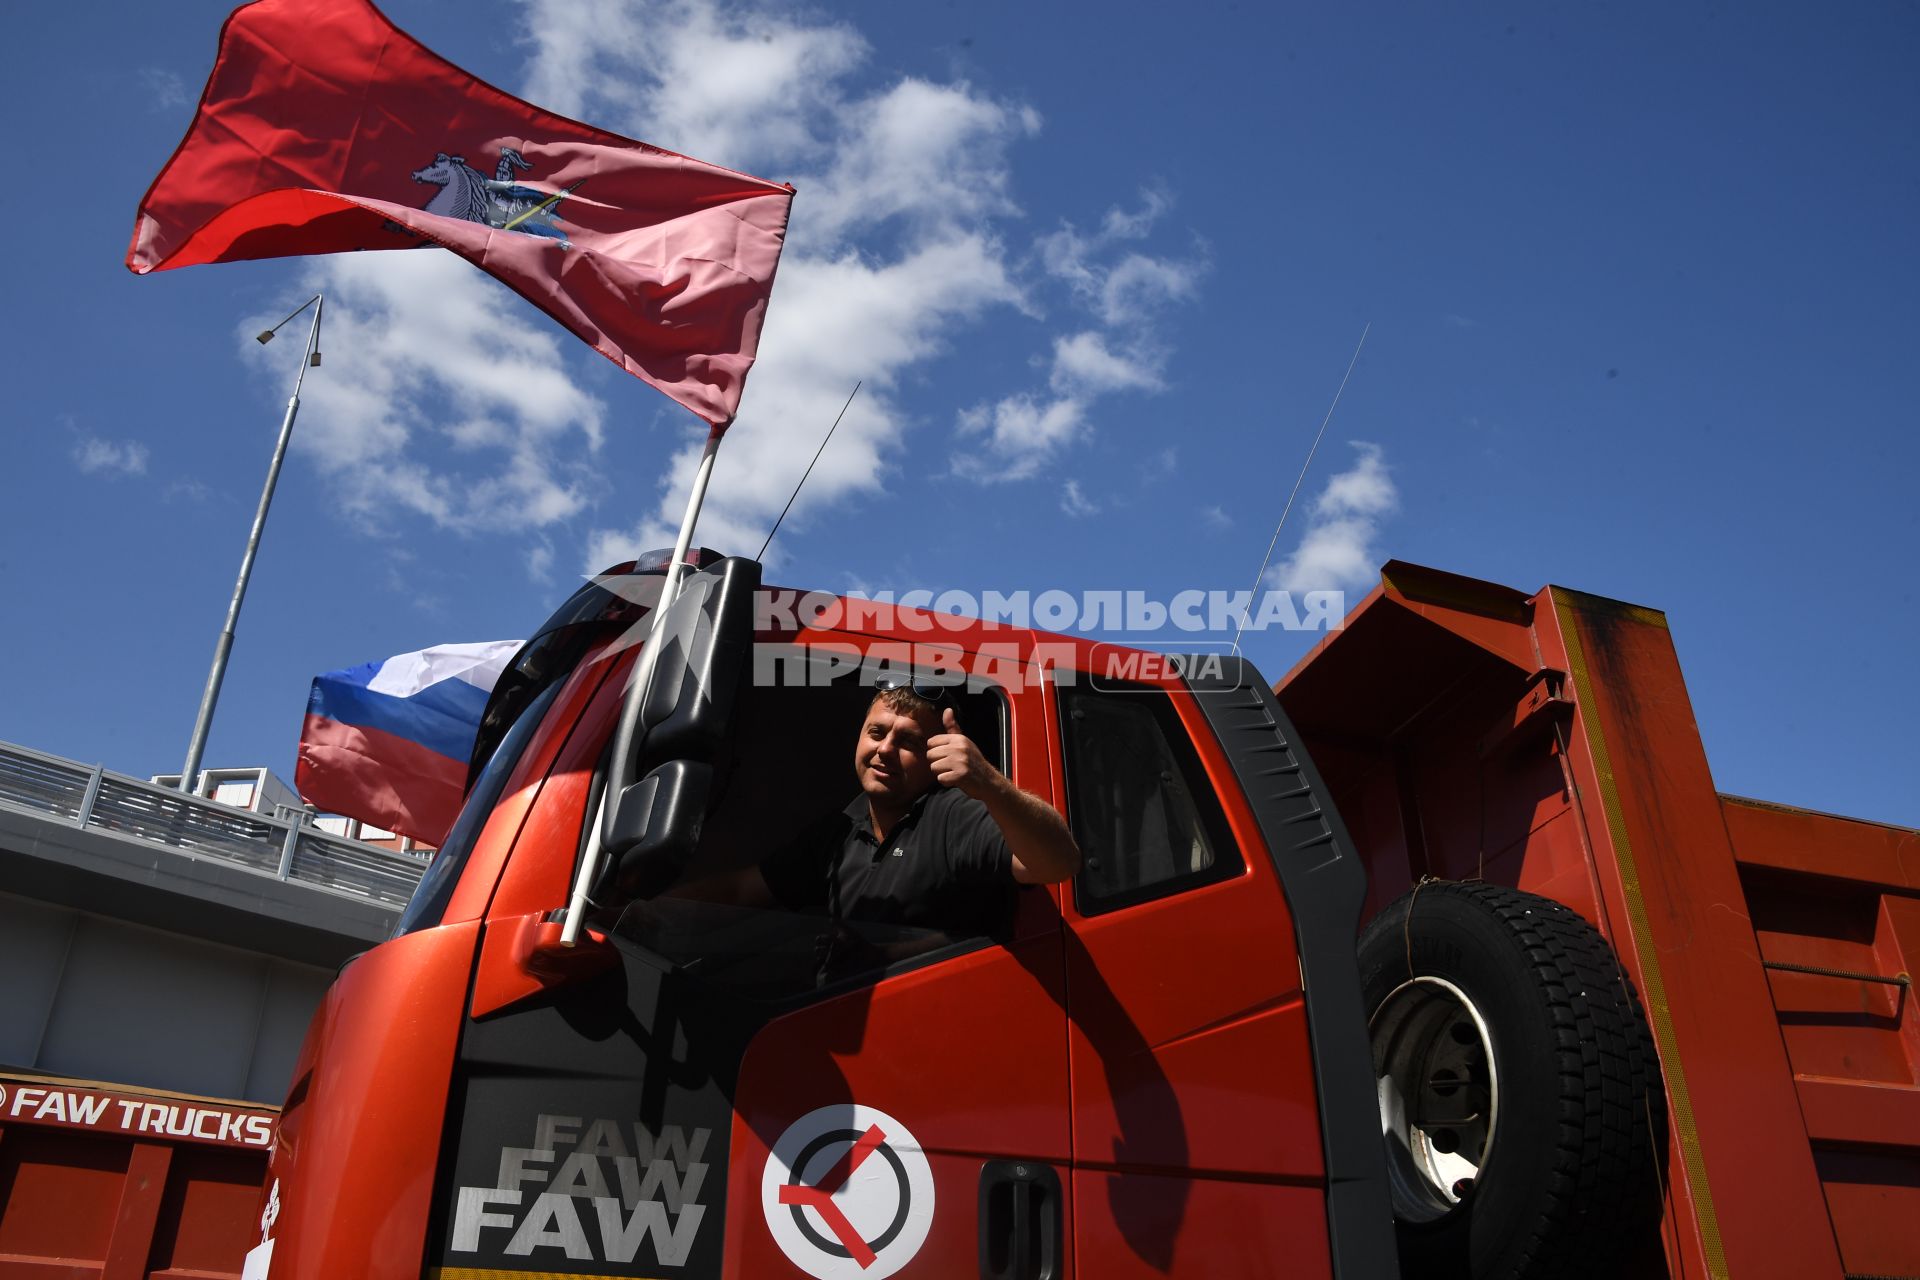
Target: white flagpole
{"type": "Point", "coordinates": [637, 688]}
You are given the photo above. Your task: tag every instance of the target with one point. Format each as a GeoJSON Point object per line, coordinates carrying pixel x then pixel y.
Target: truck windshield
{"type": "Point", "coordinates": [616, 600]}
{"type": "Point", "coordinates": [435, 890]}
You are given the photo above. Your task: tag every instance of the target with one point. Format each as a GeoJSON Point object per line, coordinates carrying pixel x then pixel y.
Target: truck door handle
{"type": "Point", "coordinates": [1020, 1221]}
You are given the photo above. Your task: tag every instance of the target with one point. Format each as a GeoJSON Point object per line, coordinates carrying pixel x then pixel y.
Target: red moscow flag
{"type": "Point", "coordinates": [326, 128]}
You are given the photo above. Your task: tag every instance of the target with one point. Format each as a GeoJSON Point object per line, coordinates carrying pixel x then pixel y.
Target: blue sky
{"type": "Point", "coordinates": [1641, 280]}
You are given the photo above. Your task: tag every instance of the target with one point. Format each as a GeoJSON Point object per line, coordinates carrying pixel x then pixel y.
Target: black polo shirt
{"type": "Point", "coordinates": [944, 866]}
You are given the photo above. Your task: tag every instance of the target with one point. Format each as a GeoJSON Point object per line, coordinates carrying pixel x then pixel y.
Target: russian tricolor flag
{"type": "Point", "coordinates": [389, 742]}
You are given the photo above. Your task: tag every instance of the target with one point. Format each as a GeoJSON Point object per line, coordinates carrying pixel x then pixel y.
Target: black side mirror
{"type": "Point", "coordinates": [660, 774]}
{"type": "Point", "coordinates": [706, 640]}
{"type": "Point", "coordinates": [656, 826]}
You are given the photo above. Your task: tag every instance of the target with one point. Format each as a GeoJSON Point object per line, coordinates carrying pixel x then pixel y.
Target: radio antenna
{"type": "Point", "coordinates": [809, 471]}
{"type": "Point", "coordinates": [1297, 480]}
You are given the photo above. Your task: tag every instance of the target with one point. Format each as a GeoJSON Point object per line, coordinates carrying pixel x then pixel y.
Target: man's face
{"type": "Point", "coordinates": [890, 755]}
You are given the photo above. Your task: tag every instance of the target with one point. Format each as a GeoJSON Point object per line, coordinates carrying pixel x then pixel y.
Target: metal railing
{"type": "Point", "coordinates": [285, 848]}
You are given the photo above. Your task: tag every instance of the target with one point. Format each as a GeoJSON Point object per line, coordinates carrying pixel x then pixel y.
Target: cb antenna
{"type": "Point", "coordinates": [809, 471]}
{"type": "Point", "coordinates": [1297, 480]}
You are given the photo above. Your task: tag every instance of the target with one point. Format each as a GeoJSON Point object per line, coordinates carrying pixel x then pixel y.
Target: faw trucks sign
{"type": "Point", "coordinates": [65, 1104]}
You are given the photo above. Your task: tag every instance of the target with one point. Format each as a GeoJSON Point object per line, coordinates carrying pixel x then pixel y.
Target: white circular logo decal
{"type": "Point", "coordinates": [848, 1193]}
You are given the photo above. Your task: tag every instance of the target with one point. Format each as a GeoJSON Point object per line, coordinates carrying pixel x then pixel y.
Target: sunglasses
{"type": "Point", "coordinates": [925, 690]}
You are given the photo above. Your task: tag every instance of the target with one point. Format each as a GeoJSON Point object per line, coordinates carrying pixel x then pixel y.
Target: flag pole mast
{"type": "Point", "coordinates": [636, 693]}
{"type": "Point", "coordinates": [204, 720]}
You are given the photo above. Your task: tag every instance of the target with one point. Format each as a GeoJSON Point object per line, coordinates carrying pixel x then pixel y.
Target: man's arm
{"type": "Point", "coordinates": [1043, 849]}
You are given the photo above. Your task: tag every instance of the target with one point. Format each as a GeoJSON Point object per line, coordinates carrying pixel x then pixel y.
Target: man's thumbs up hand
{"type": "Point", "coordinates": [956, 761]}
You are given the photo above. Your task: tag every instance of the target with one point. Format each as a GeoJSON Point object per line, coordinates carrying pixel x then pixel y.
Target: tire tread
{"type": "Point", "coordinates": [1602, 1186]}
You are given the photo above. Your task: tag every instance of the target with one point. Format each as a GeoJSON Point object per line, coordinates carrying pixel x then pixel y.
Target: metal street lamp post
{"type": "Point", "coordinates": [204, 721]}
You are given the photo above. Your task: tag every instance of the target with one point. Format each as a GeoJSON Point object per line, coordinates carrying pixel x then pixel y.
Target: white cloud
{"type": "Point", "coordinates": [756, 90]}
{"type": "Point", "coordinates": [1139, 285]}
{"type": "Point", "coordinates": [746, 88]}
{"type": "Point", "coordinates": [1133, 224]}
{"type": "Point", "coordinates": [166, 89]}
{"type": "Point", "coordinates": [441, 395]}
{"type": "Point", "coordinates": [1083, 363]}
{"type": "Point", "coordinates": [1339, 548]}
{"type": "Point", "coordinates": [1076, 503]}
{"type": "Point", "coordinates": [1364, 490]}
{"type": "Point", "coordinates": [1121, 291]}
{"type": "Point", "coordinates": [933, 153]}
{"type": "Point", "coordinates": [1066, 253]}
{"type": "Point", "coordinates": [1333, 553]}
{"type": "Point", "coordinates": [1216, 517]}
{"type": "Point", "coordinates": [1156, 467]}
{"type": "Point", "coordinates": [96, 456]}
{"type": "Point", "coordinates": [1124, 290]}
{"type": "Point", "coordinates": [1016, 436]}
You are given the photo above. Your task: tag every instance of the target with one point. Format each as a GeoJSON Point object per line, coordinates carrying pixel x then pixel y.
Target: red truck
{"type": "Point", "coordinates": [1599, 1020]}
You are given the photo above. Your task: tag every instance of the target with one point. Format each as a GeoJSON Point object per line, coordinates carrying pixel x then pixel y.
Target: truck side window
{"type": "Point", "coordinates": [1138, 800]}
{"type": "Point", "coordinates": [787, 773]}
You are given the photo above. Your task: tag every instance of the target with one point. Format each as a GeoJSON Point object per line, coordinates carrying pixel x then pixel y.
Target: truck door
{"type": "Point", "coordinates": [923, 1100]}
{"type": "Point", "coordinates": [1197, 1140]}
{"type": "Point", "coordinates": [746, 1091]}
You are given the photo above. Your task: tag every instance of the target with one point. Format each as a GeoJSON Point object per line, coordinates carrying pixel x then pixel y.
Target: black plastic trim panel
{"type": "Point", "coordinates": [1325, 886]}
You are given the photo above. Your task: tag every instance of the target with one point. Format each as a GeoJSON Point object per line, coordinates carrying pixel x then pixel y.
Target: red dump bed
{"type": "Point", "coordinates": [100, 1180]}
{"type": "Point", "coordinates": [1546, 742]}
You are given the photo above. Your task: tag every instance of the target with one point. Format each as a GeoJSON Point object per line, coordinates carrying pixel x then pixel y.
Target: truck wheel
{"type": "Point", "coordinates": [1520, 1096]}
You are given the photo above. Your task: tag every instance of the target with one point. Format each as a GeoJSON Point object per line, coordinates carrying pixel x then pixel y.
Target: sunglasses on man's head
{"type": "Point", "coordinates": [925, 690]}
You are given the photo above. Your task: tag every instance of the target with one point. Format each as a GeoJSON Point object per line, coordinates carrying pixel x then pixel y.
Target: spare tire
{"type": "Point", "coordinates": [1520, 1096]}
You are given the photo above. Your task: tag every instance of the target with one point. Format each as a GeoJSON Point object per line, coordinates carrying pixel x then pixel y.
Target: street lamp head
{"type": "Point", "coordinates": [266, 335]}
{"type": "Point", "coordinates": [315, 361]}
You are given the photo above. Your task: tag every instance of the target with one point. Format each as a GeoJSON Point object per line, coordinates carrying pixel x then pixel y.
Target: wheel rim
{"type": "Point", "coordinates": [1439, 1095]}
